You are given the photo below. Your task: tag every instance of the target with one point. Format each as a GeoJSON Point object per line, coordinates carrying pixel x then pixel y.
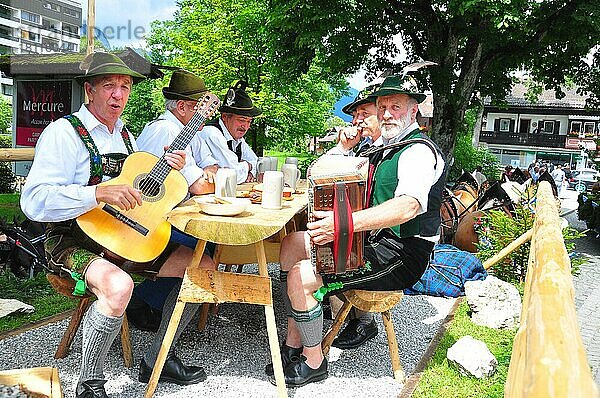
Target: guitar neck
{"type": "Point", "coordinates": [161, 169]}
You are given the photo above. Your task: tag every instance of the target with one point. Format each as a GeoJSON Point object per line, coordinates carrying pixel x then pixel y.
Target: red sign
{"type": "Point", "coordinates": [40, 102]}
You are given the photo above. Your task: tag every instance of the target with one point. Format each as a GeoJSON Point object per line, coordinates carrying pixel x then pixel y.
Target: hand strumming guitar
{"type": "Point", "coordinates": [175, 159]}
{"type": "Point", "coordinates": [123, 196]}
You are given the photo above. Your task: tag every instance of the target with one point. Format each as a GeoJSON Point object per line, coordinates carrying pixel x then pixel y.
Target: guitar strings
{"type": "Point", "coordinates": [160, 171]}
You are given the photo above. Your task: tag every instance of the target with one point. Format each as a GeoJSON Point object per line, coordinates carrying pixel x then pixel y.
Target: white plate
{"type": "Point", "coordinates": [209, 206]}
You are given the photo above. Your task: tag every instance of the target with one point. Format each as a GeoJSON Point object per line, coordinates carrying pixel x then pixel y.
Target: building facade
{"type": "Point", "coordinates": [550, 129]}
{"type": "Point", "coordinates": [38, 27]}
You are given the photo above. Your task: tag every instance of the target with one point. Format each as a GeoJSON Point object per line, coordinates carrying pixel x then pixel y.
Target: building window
{"type": "Point", "coordinates": [50, 24]}
{"type": "Point", "coordinates": [49, 44]}
{"type": "Point", "coordinates": [71, 12]}
{"type": "Point", "coordinates": [548, 127]}
{"type": "Point", "coordinates": [588, 128]}
{"type": "Point", "coordinates": [31, 17]}
{"type": "Point", "coordinates": [5, 50]}
{"type": "Point", "coordinates": [575, 128]}
{"type": "Point", "coordinates": [7, 89]}
{"type": "Point", "coordinates": [30, 36]}
{"type": "Point", "coordinates": [51, 6]}
{"type": "Point", "coordinates": [505, 125]}
{"type": "Point", "coordinates": [70, 28]}
{"type": "Point", "coordinates": [69, 47]}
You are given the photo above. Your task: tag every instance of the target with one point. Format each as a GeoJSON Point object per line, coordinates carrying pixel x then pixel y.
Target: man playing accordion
{"type": "Point", "coordinates": [401, 222]}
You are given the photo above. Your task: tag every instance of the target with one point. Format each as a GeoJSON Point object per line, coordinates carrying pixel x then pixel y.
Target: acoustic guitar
{"type": "Point", "coordinates": [142, 233]}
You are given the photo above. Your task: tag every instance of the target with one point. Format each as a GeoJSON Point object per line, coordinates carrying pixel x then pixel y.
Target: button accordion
{"type": "Point", "coordinates": [341, 191]}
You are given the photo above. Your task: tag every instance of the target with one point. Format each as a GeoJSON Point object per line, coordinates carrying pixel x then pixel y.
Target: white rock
{"type": "Point", "coordinates": [8, 306]}
{"type": "Point", "coordinates": [495, 303]}
{"type": "Point", "coordinates": [472, 358]}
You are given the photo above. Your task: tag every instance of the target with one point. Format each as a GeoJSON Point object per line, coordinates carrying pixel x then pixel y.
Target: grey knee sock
{"type": "Point", "coordinates": [188, 312]}
{"type": "Point", "coordinates": [310, 325]}
{"type": "Point", "coordinates": [99, 332]}
{"type": "Point", "coordinates": [287, 305]}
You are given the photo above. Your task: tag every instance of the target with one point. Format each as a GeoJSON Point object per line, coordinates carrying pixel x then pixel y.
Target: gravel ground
{"type": "Point", "coordinates": [234, 350]}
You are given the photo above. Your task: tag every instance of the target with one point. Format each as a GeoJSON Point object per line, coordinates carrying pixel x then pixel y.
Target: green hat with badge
{"type": "Point", "coordinates": [238, 102]}
{"type": "Point", "coordinates": [185, 86]}
{"type": "Point", "coordinates": [365, 96]}
{"type": "Point", "coordinates": [101, 63]}
{"type": "Point", "coordinates": [400, 85]}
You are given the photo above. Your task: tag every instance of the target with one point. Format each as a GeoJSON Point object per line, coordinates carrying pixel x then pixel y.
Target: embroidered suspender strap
{"type": "Point", "coordinates": [126, 140]}
{"type": "Point", "coordinates": [238, 150]}
{"type": "Point", "coordinates": [96, 172]}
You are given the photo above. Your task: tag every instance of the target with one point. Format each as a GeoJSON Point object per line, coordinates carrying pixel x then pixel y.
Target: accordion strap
{"type": "Point", "coordinates": [343, 227]}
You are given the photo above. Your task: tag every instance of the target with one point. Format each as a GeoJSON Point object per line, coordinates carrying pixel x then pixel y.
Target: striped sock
{"type": "Point", "coordinates": [99, 332]}
{"type": "Point", "coordinates": [188, 312]}
{"type": "Point", "coordinates": [310, 325]}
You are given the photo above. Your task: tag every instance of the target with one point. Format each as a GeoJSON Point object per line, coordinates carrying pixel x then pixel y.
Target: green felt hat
{"type": "Point", "coordinates": [238, 102]}
{"type": "Point", "coordinates": [100, 63]}
{"type": "Point", "coordinates": [365, 96]}
{"type": "Point", "coordinates": [185, 86]}
{"type": "Point", "coordinates": [400, 85]}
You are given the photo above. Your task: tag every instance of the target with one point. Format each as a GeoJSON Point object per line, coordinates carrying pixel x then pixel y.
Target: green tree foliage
{"type": "Point", "coordinates": [5, 115]}
{"type": "Point", "coordinates": [467, 157]}
{"type": "Point", "coordinates": [477, 44]}
{"type": "Point", "coordinates": [145, 103]}
{"type": "Point", "coordinates": [226, 40]}
{"type": "Point", "coordinates": [7, 178]}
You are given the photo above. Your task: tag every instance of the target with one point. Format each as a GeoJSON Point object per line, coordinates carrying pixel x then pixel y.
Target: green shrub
{"type": "Point", "coordinates": [497, 229]}
{"type": "Point", "coordinates": [7, 178]}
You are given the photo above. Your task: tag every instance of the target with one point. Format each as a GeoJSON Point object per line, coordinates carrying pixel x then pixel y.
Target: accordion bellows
{"type": "Point", "coordinates": [323, 175]}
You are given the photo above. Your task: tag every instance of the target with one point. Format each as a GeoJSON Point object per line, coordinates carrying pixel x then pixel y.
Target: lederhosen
{"type": "Point", "coordinates": [67, 246]}
{"type": "Point", "coordinates": [395, 258]}
{"type": "Point", "coordinates": [238, 149]}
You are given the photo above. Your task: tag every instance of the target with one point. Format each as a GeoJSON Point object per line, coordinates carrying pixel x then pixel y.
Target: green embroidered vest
{"type": "Point", "coordinates": [109, 164]}
{"type": "Point", "coordinates": [386, 182]}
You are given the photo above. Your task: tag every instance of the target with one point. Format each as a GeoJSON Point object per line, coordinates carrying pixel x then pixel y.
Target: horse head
{"type": "Point", "coordinates": [494, 196]}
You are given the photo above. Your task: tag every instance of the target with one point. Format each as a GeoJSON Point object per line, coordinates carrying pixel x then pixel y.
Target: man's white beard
{"type": "Point", "coordinates": [391, 131]}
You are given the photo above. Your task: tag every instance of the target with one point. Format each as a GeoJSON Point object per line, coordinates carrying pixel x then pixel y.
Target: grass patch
{"type": "Point", "coordinates": [439, 380]}
{"type": "Point", "coordinates": [9, 206]}
{"type": "Point", "coordinates": [38, 293]}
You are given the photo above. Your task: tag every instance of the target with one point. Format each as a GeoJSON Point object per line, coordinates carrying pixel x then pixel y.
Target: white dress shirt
{"type": "Point", "coordinates": [56, 187]}
{"type": "Point", "coordinates": [417, 172]}
{"type": "Point", "coordinates": [162, 132]}
{"type": "Point", "coordinates": [217, 144]}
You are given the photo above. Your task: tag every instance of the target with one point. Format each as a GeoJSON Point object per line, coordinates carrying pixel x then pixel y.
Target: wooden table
{"type": "Point", "coordinates": [251, 227]}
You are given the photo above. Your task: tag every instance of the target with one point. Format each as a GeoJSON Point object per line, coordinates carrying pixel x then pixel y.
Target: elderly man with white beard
{"type": "Point", "coordinates": [401, 224]}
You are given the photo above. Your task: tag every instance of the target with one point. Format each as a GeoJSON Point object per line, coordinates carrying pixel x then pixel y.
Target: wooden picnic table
{"type": "Point", "coordinates": [252, 227]}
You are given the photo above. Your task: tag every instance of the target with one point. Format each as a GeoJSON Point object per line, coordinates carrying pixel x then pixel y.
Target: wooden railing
{"type": "Point", "coordinates": [14, 154]}
{"type": "Point", "coordinates": [548, 357]}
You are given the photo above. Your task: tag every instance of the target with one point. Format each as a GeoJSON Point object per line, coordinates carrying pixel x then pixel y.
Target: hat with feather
{"type": "Point", "coordinates": [238, 102]}
{"type": "Point", "coordinates": [404, 84]}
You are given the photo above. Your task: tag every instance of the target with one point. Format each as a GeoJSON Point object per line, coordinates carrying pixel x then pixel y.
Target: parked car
{"type": "Point", "coordinates": [582, 179]}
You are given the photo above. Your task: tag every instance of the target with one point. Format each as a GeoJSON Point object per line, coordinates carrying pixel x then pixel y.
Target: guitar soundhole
{"type": "Point", "coordinates": [152, 190]}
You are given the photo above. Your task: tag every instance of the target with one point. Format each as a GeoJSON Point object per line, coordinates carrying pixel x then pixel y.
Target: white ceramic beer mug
{"type": "Point", "coordinates": [225, 182]}
{"type": "Point", "coordinates": [272, 189]}
{"type": "Point", "coordinates": [291, 175]}
{"type": "Point", "coordinates": [291, 160]}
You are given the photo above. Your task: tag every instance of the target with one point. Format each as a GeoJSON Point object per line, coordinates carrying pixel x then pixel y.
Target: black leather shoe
{"type": "Point", "coordinates": [299, 373]}
{"type": "Point", "coordinates": [174, 371]}
{"type": "Point", "coordinates": [92, 389]}
{"type": "Point", "coordinates": [355, 334]}
{"type": "Point", "coordinates": [288, 355]}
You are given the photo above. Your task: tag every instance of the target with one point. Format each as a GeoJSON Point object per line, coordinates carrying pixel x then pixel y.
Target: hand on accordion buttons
{"type": "Point", "coordinates": [321, 231]}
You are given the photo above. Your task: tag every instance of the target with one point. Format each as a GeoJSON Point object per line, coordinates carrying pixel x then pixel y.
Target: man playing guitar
{"type": "Point", "coordinates": [74, 154]}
